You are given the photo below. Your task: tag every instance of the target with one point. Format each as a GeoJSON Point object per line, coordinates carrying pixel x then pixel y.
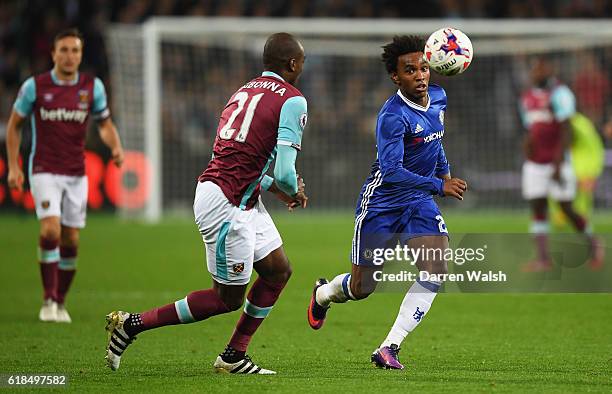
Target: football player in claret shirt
{"type": "Point", "coordinates": [262, 121]}
{"type": "Point", "coordinates": [546, 109]}
{"type": "Point", "coordinates": [396, 202]}
{"type": "Point", "coordinates": [59, 103]}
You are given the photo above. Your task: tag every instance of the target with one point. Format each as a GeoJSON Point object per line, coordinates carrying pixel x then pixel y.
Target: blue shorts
{"type": "Point", "coordinates": [383, 229]}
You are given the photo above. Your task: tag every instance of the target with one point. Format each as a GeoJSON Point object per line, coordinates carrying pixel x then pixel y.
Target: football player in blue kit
{"type": "Point", "coordinates": [396, 202]}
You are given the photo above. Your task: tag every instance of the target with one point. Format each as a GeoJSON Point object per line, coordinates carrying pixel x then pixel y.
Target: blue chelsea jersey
{"type": "Point", "coordinates": [410, 156]}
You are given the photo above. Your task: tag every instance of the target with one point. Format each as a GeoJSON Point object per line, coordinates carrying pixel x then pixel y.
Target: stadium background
{"type": "Point", "coordinates": [555, 343]}
{"type": "Point", "coordinates": [483, 134]}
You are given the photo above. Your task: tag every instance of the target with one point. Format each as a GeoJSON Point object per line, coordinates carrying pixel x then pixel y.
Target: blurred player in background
{"type": "Point", "coordinates": [262, 121]}
{"type": "Point", "coordinates": [607, 130]}
{"type": "Point", "coordinates": [546, 109]}
{"type": "Point", "coordinates": [588, 160]}
{"type": "Point", "coordinates": [396, 200]}
{"type": "Point", "coordinates": [59, 102]}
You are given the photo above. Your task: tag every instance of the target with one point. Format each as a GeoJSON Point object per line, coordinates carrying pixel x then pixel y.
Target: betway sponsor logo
{"type": "Point", "coordinates": [434, 136]}
{"type": "Point", "coordinates": [63, 115]}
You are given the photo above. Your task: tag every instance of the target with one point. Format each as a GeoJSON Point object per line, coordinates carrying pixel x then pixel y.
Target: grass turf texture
{"type": "Point", "coordinates": [469, 343]}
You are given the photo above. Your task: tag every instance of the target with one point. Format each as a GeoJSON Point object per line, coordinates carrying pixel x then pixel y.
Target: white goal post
{"type": "Point", "coordinates": [141, 56]}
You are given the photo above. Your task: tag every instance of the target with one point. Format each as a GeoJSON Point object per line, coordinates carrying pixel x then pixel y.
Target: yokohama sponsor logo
{"type": "Point", "coordinates": [434, 136]}
{"type": "Point", "coordinates": [63, 115]}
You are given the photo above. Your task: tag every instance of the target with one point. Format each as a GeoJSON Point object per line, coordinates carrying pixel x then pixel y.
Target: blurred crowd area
{"type": "Point", "coordinates": [197, 80]}
{"type": "Point", "coordinates": [27, 26]}
{"type": "Point", "coordinates": [484, 139]}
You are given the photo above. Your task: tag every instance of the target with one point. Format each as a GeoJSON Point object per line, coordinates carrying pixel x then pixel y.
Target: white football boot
{"type": "Point", "coordinates": [62, 314]}
{"type": "Point", "coordinates": [244, 366]}
{"type": "Point", "coordinates": [118, 340]}
{"type": "Point", "coordinates": [48, 311]}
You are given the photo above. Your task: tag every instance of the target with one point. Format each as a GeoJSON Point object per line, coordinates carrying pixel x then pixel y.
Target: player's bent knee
{"type": "Point", "coordinates": [287, 273]}
{"type": "Point", "coordinates": [359, 295]}
{"type": "Point", "coordinates": [50, 233]}
{"type": "Point", "coordinates": [276, 270]}
{"type": "Point", "coordinates": [360, 290]}
{"type": "Point", "coordinates": [232, 296]}
{"type": "Point", "coordinates": [233, 303]}
{"type": "Point", "coordinates": [280, 277]}
{"type": "Point", "coordinates": [70, 239]}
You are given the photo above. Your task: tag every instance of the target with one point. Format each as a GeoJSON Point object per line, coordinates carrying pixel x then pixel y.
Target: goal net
{"type": "Point", "coordinates": [171, 77]}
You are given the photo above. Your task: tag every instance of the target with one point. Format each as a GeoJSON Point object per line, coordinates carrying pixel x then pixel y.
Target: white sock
{"type": "Point", "coordinates": [338, 290]}
{"type": "Point", "coordinates": [415, 305]}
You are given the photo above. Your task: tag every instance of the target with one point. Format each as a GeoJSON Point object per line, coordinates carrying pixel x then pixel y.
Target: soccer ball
{"type": "Point", "coordinates": [448, 51]}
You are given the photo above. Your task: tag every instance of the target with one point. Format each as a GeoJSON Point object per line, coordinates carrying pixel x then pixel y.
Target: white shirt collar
{"type": "Point", "coordinates": [415, 105]}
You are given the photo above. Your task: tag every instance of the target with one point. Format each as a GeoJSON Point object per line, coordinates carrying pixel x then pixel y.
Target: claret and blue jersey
{"type": "Point", "coordinates": [59, 111]}
{"type": "Point", "coordinates": [262, 121]}
{"type": "Point", "coordinates": [397, 196]}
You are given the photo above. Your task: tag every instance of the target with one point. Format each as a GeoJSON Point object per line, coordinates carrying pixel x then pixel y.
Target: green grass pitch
{"type": "Point", "coordinates": [468, 343]}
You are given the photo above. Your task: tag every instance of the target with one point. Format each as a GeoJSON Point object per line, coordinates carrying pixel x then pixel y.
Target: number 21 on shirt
{"type": "Point", "coordinates": [241, 98]}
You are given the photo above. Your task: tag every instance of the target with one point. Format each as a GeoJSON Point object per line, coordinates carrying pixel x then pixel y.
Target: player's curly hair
{"type": "Point", "coordinates": [400, 45]}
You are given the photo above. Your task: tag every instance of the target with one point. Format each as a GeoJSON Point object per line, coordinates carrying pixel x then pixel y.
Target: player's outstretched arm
{"type": "Point", "coordinates": [110, 137]}
{"type": "Point", "coordinates": [13, 140]}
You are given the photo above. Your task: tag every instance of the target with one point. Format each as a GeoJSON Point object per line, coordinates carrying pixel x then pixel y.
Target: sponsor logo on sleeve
{"type": "Point", "coordinates": [303, 120]}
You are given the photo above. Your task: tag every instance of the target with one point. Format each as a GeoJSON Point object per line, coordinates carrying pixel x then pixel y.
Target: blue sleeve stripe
{"type": "Point", "coordinates": [292, 121]}
{"type": "Point", "coordinates": [284, 171]}
{"type": "Point", "coordinates": [563, 103]}
{"type": "Point", "coordinates": [99, 108]}
{"type": "Point", "coordinates": [523, 116]}
{"type": "Point", "coordinates": [26, 98]}
{"type": "Point", "coordinates": [266, 182]}
{"type": "Point", "coordinates": [33, 147]}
